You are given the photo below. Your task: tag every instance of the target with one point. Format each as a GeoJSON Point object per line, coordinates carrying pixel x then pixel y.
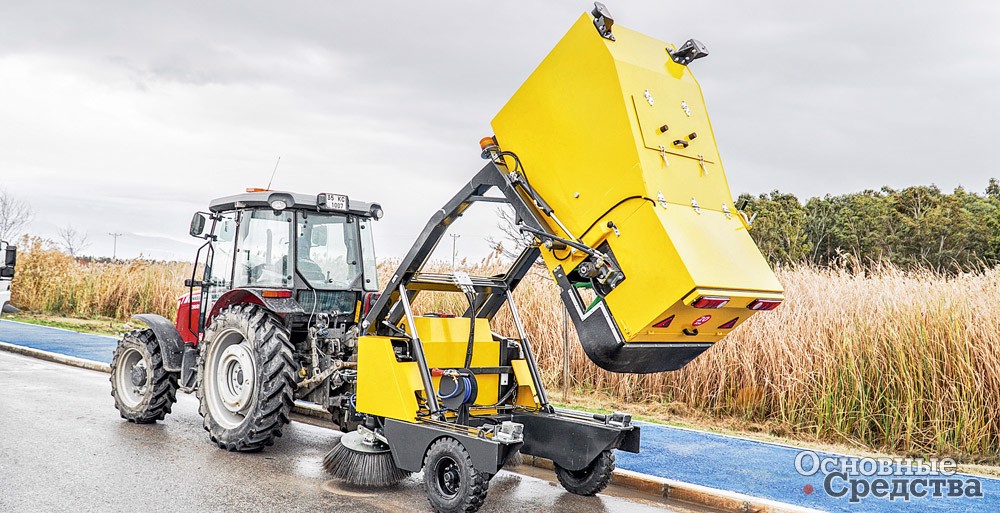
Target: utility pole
{"type": "Point", "coordinates": [114, 252]}
{"type": "Point", "coordinates": [454, 239]}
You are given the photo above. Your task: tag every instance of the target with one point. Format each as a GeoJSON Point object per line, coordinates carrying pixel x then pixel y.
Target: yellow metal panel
{"type": "Point", "coordinates": [526, 396]}
{"type": "Point", "coordinates": [386, 387]}
{"type": "Point", "coordinates": [445, 341]}
{"type": "Point", "coordinates": [588, 136]}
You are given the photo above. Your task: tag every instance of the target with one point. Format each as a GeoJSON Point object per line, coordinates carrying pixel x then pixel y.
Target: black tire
{"type": "Point", "coordinates": [453, 485]}
{"type": "Point", "coordinates": [143, 390]}
{"type": "Point", "coordinates": [590, 480]}
{"type": "Point", "coordinates": [238, 419]}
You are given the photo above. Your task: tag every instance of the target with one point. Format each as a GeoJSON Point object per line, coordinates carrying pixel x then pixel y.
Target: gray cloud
{"type": "Point", "coordinates": [125, 116]}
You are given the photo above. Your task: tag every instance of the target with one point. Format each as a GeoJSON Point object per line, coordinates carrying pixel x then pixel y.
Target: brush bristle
{"type": "Point", "coordinates": [363, 468]}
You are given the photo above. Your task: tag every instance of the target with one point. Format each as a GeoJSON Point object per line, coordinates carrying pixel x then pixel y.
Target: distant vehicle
{"type": "Point", "coordinates": [9, 258]}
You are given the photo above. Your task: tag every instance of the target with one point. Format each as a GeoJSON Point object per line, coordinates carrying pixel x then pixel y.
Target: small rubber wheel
{"type": "Point", "coordinates": [246, 378]}
{"type": "Point", "coordinates": [453, 485]}
{"type": "Point", "coordinates": [591, 479]}
{"type": "Point", "coordinates": [143, 390]}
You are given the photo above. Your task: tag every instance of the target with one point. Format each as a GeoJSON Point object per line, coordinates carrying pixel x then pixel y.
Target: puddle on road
{"type": "Point", "coordinates": [341, 488]}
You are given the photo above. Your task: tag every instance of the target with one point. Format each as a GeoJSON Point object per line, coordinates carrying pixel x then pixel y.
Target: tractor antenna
{"type": "Point", "coordinates": [272, 172]}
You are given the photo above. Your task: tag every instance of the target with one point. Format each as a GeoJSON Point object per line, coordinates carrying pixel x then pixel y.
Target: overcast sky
{"type": "Point", "coordinates": [129, 116]}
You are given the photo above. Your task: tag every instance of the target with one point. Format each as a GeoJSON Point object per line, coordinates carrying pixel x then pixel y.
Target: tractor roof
{"type": "Point", "coordinates": [292, 200]}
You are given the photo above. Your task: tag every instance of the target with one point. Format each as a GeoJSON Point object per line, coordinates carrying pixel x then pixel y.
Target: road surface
{"type": "Point", "coordinates": [63, 447]}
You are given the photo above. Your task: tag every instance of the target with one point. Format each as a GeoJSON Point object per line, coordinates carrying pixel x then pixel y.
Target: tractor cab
{"type": "Point", "coordinates": [300, 255]}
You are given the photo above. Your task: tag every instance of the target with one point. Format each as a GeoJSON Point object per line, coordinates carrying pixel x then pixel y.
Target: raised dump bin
{"type": "Point", "coordinates": [614, 135]}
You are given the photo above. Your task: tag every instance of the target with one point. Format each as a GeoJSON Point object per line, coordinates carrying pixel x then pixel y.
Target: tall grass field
{"type": "Point", "coordinates": [907, 362]}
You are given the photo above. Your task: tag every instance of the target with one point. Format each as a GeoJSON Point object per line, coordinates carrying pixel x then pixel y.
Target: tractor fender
{"type": "Point", "coordinates": [167, 336]}
{"type": "Point", "coordinates": [279, 306]}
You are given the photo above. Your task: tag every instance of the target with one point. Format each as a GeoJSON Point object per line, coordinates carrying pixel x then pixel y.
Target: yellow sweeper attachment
{"type": "Point", "coordinates": [615, 136]}
{"type": "Point", "coordinates": [608, 160]}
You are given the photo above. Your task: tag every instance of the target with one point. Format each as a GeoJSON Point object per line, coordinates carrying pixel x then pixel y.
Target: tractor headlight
{"type": "Point", "coordinates": [376, 211]}
{"type": "Point", "coordinates": [279, 204]}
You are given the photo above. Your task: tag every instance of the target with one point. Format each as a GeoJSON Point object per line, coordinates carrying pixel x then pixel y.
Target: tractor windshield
{"type": "Point", "coordinates": [328, 253]}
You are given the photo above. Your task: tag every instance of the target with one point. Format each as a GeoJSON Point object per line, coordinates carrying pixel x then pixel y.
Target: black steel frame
{"type": "Point", "coordinates": [487, 295]}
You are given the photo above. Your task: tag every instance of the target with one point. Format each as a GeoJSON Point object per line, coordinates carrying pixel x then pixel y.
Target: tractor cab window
{"type": "Point", "coordinates": [262, 249]}
{"type": "Point", "coordinates": [328, 252]}
{"type": "Point", "coordinates": [219, 267]}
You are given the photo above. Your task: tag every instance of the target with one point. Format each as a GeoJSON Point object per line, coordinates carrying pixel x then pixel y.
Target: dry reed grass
{"type": "Point", "coordinates": [50, 281]}
{"type": "Point", "coordinates": [885, 359]}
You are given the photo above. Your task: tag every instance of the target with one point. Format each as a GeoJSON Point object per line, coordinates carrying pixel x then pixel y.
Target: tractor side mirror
{"type": "Point", "coordinates": [9, 260]}
{"type": "Point", "coordinates": [10, 256]}
{"type": "Point", "coordinates": [198, 222]}
{"type": "Point", "coordinates": [318, 236]}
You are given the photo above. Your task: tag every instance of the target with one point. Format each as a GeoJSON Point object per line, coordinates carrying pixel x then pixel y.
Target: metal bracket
{"type": "Point", "coordinates": [691, 50]}
{"type": "Point", "coordinates": [603, 21]}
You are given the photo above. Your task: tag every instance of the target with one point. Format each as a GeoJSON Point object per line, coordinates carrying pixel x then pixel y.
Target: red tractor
{"type": "Point", "coordinates": [272, 319]}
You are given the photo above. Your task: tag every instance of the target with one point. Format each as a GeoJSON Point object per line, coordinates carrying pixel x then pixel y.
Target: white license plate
{"type": "Point", "coordinates": [336, 201]}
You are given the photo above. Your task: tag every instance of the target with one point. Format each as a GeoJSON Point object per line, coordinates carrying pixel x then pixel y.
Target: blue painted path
{"type": "Point", "coordinates": [81, 345]}
{"type": "Point", "coordinates": [751, 467]}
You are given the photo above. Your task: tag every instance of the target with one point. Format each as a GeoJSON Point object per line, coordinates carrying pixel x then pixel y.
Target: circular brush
{"type": "Point", "coordinates": [363, 463]}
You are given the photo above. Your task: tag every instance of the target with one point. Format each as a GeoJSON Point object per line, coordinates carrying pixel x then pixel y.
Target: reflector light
{"type": "Point", "coordinates": [664, 323]}
{"type": "Point", "coordinates": [729, 325]}
{"type": "Point", "coordinates": [701, 320]}
{"type": "Point", "coordinates": [764, 304]}
{"type": "Point", "coordinates": [276, 293]}
{"type": "Point", "coordinates": [710, 302]}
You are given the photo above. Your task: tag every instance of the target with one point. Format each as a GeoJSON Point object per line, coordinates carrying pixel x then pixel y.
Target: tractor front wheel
{"type": "Point", "coordinates": [246, 378]}
{"type": "Point", "coordinates": [453, 485]}
{"type": "Point", "coordinates": [591, 479]}
{"type": "Point", "coordinates": [143, 390]}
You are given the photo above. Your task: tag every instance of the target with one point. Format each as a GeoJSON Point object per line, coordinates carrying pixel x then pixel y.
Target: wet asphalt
{"type": "Point", "coordinates": [63, 447]}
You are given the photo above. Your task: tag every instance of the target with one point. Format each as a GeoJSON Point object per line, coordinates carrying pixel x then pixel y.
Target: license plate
{"type": "Point", "coordinates": [336, 202]}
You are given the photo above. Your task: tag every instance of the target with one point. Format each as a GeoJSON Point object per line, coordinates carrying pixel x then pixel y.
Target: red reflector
{"type": "Point", "coordinates": [276, 293]}
{"type": "Point", "coordinates": [764, 304]}
{"type": "Point", "coordinates": [369, 302]}
{"type": "Point", "coordinates": [437, 373]}
{"type": "Point", "coordinates": [729, 325]}
{"type": "Point", "coordinates": [664, 323]}
{"type": "Point", "coordinates": [710, 302]}
{"type": "Point", "coordinates": [701, 320]}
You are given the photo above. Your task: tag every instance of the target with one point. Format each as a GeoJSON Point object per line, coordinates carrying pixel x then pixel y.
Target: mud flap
{"type": "Point", "coordinates": [572, 442]}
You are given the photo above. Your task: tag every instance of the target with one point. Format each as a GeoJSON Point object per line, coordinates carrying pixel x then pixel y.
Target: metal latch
{"type": "Point", "coordinates": [695, 205]}
{"type": "Point", "coordinates": [701, 162]}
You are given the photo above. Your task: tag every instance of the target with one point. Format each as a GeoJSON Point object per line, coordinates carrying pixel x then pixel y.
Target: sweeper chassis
{"type": "Point", "coordinates": [579, 444]}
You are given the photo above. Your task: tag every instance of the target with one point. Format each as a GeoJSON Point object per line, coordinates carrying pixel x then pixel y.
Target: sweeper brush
{"type": "Point", "coordinates": [362, 460]}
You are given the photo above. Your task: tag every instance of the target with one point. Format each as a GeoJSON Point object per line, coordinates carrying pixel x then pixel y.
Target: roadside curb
{"type": "Point", "coordinates": [55, 357]}
{"type": "Point", "coordinates": [722, 500]}
{"type": "Point", "coordinates": [730, 502]}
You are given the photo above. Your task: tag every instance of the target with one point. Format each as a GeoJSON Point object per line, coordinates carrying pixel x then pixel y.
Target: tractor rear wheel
{"type": "Point", "coordinates": [591, 479]}
{"type": "Point", "coordinates": [453, 485]}
{"type": "Point", "coordinates": [246, 378]}
{"type": "Point", "coordinates": [143, 390]}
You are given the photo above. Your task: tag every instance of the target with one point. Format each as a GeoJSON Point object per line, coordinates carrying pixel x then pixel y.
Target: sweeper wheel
{"type": "Point", "coordinates": [246, 378]}
{"type": "Point", "coordinates": [143, 390]}
{"type": "Point", "coordinates": [453, 485]}
{"type": "Point", "coordinates": [363, 461]}
{"type": "Point", "coordinates": [591, 479]}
